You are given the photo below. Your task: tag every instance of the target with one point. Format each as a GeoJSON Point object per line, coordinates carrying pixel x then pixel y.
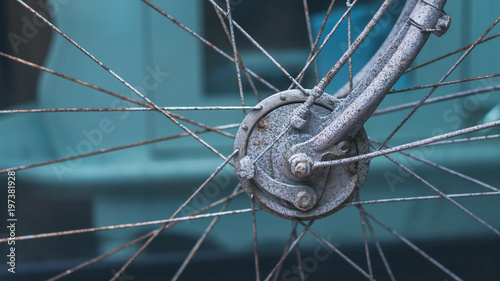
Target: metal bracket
{"type": "Point", "coordinates": [301, 196]}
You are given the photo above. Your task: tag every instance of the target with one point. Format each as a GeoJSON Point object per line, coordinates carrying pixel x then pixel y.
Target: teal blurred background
{"type": "Point", "coordinates": [173, 69]}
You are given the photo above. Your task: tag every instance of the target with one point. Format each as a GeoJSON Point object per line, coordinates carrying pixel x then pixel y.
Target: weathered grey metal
{"type": "Point", "coordinates": [424, 17]}
{"type": "Point", "coordinates": [367, 70]}
{"type": "Point", "coordinates": [288, 186]}
{"type": "Point", "coordinates": [363, 101]}
{"type": "Point", "coordinates": [281, 144]}
{"type": "Point", "coordinates": [354, 111]}
{"type": "Point", "coordinates": [299, 118]}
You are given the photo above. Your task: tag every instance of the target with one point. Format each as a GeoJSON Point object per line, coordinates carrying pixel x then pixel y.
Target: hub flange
{"type": "Point", "coordinates": [284, 182]}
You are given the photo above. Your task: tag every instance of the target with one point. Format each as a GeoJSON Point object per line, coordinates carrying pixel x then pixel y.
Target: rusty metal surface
{"type": "Point", "coordinates": [282, 144]}
{"type": "Point", "coordinates": [284, 185]}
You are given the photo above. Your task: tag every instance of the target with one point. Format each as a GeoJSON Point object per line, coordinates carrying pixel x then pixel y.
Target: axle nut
{"type": "Point", "coordinates": [304, 201]}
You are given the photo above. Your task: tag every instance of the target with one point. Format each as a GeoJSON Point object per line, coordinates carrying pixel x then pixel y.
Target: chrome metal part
{"type": "Point", "coordinates": [285, 183]}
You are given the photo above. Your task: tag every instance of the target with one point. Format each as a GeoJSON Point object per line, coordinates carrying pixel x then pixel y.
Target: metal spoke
{"type": "Point", "coordinates": [349, 41]}
{"type": "Point", "coordinates": [402, 147]}
{"type": "Point", "coordinates": [167, 108]}
{"type": "Point", "coordinates": [288, 251]}
{"type": "Point", "coordinates": [442, 168]}
{"type": "Point", "coordinates": [415, 198]}
{"type": "Point", "coordinates": [445, 83]}
{"type": "Point", "coordinates": [158, 231]}
{"type": "Point", "coordinates": [261, 49]}
{"type": "Point", "coordinates": [414, 247]}
{"type": "Point", "coordinates": [235, 53]}
{"type": "Point", "coordinates": [202, 239]}
{"type": "Point", "coordinates": [379, 247]}
{"type": "Point", "coordinates": [242, 65]}
{"type": "Point", "coordinates": [316, 41]}
{"type": "Point", "coordinates": [98, 89]}
{"type": "Point", "coordinates": [255, 244]}
{"type": "Point", "coordinates": [134, 90]}
{"type": "Point", "coordinates": [98, 258]}
{"type": "Point", "coordinates": [107, 69]}
{"type": "Point", "coordinates": [95, 88]}
{"type": "Point", "coordinates": [318, 90]}
{"type": "Point", "coordinates": [39, 67]}
{"type": "Point", "coordinates": [442, 194]}
{"type": "Point", "coordinates": [486, 137]}
{"type": "Point", "coordinates": [329, 245]}
{"type": "Point", "coordinates": [450, 54]}
{"type": "Point", "coordinates": [320, 87]}
{"type": "Point", "coordinates": [171, 222]}
{"type": "Point", "coordinates": [327, 38]}
{"type": "Point", "coordinates": [457, 63]}
{"type": "Point", "coordinates": [209, 128]}
{"type": "Point", "coordinates": [299, 260]}
{"type": "Point", "coordinates": [326, 80]}
{"type": "Point", "coordinates": [204, 41]}
{"type": "Point", "coordinates": [283, 132]}
{"type": "Point", "coordinates": [143, 237]}
{"type": "Point", "coordinates": [362, 219]}
{"type": "Point", "coordinates": [106, 150]}
{"type": "Point", "coordinates": [310, 36]}
{"type": "Point", "coordinates": [292, 235]}
{"type": "Point", "coordinates": [438, 99]}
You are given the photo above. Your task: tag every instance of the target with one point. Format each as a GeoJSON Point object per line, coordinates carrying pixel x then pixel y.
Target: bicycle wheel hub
{"type": "Point", "coordinates": [284, 182]}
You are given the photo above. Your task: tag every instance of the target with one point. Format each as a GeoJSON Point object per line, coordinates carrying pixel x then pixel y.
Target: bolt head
{"type": "Point", "coordinates": [344, 147]}
{"type": "Point", "coordinates": [300, 165]}
{"type": "Point", "coordinates": [304, 200]}
{"type": "Point", "coordinates": [301, 169]}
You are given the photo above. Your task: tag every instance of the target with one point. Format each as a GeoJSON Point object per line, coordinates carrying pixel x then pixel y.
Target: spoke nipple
{"type": "Point", "coordinates": [299, 121]}
{"type": "Point", "coordinates": [247, 168]}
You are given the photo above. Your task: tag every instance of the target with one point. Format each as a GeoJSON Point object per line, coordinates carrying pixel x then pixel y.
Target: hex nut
{"type": "Point", "coordinates": [304, 200]}
{"type": "Point", "coordinates": [300, 165]}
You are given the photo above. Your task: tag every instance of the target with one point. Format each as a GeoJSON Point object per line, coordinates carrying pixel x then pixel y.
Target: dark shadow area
{"type": "Point", "coordinates": [24, 36]}
{"type": "Point", "coordinates": [475, 260]}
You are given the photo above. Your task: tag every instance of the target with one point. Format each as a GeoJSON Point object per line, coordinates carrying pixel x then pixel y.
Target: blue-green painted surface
{"type": "Point", "coordinates": [150, 182]}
